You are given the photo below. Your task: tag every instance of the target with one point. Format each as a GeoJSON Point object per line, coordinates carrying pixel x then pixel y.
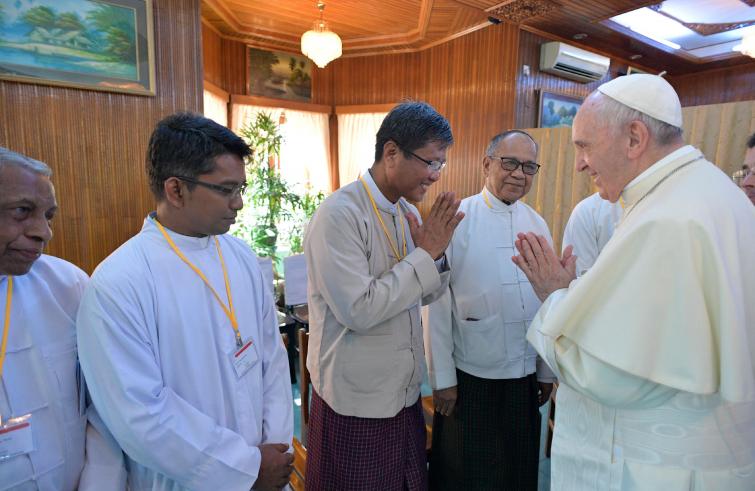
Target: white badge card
{"type": "Point", "coordinates": [16, 437]}
{"type": "Point", "coordinates": [244, 358]}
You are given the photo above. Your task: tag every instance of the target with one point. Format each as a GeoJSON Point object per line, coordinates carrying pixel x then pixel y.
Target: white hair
{"type": "Point", "coordinates": [9, 157]}
{"type": "Point", "coordinates": [618, 115]}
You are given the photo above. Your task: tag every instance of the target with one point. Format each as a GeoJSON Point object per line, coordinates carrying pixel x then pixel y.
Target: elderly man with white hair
{"type": "Point", "coordinates": [653, 345]}
{"type": "Point", "coordinates": [45, 441]}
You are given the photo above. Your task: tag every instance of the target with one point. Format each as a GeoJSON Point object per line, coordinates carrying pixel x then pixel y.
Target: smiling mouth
{"type": "Point", "coordinates": [28, 254]}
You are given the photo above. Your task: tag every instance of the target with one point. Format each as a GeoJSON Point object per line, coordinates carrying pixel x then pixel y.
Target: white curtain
{"type": "Point", "coordinates": [305, 151]}
{"type": "Point", "coordinates": [356, 143]}
{"type": "Point", "coordinates": [215, 108]}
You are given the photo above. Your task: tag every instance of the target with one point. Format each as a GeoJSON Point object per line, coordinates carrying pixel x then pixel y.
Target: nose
{"type": "Point", "coordinates": [518, 173]}
{"type": "Point", "coordinates": [434, 175]}
{"type": "Point", "coordinates": [39, 229]}
{"type": "Point", "coordinates": [749, 180]}
{"type": "Point", "coordinates": [237, 202]}
{"type": "Point", "coordinates": [579, 163]}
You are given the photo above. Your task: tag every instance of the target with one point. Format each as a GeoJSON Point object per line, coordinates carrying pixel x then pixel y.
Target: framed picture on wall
{"type": "Point", "coordinates": [87, 44]}
{"type": "Point", "coordinates": [556, 110]}
{"type": "Point", "coordinates": [279, 75]}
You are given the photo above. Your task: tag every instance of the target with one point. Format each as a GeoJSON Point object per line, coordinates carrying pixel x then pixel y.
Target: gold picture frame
{"type": "Point", "coordinates": [103, 45]}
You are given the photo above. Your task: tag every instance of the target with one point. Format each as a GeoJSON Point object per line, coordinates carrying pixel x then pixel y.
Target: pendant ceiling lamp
{"type": "Point", "coordinates": [748, 45]}
{"type": "Point", "coordinates": [320, 44]}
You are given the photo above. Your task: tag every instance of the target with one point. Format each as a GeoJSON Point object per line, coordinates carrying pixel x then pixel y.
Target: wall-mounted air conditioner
{"type": "Point", "coordinates": [570, 62]}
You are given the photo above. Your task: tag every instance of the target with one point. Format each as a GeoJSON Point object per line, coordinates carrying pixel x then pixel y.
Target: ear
{"type": "Point", "coordinates": [174, 192]}
{"type": "Point", "coordinates": [486, 165]}
{"type": "Point", "coordinates": [639, 138]}
{"type": "Point", "coordinates": [390, 152]}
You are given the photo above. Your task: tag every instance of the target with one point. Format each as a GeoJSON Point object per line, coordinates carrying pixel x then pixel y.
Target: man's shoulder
{"type": "Point", "coordinates": [59, 266]}
{"type": "Point", "coordinates": [124, 263]}
{"type": "Point", "coordinates": [344, 202]}
{"type": "Point", "coordinates": [57, 275]}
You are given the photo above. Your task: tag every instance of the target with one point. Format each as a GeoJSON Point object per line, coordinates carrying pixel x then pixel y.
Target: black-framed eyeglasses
{"type": "Point", "coordinates": [227, 191]}
{"type": "Point", "coordinates": [510, 164]}
{"type": "Point", "coordinates": [434, 165]}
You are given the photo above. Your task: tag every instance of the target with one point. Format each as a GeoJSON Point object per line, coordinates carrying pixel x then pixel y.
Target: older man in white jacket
{"type": "Point", "coordinates": [486, 428]}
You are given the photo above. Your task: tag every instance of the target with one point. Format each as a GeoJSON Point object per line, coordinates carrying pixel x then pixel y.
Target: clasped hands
{"type": "Point", "coordinates": [275, 467]}
{"type": "Point", "coordinates": [434, 234]}
{"type": "Point", "coordinates": [539, 262]}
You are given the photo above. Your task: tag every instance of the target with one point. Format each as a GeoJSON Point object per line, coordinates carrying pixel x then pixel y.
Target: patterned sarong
{"type": "Point", "coordinates": [492, 439]}
{"type": "Point", "coordinates": [347, 453]}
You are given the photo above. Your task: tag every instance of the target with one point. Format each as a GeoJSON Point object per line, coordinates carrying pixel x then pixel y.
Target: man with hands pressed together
{"type": "Point", "coordinates": [371, 264]}
{"type": "Point", "coordinates": [486, 429]}
{"type": "Point", "coordinates": [653, 345]}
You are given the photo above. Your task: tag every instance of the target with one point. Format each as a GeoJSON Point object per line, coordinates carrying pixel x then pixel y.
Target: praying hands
{"type": "Point", "coordinates": [545, 270]}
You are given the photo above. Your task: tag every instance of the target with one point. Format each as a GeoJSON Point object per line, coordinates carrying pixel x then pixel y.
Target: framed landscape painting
{"type": "Point", "coordinates": [557, 110]}
{"type": "Point", "coordinates": [279, 75]}
{"type": "Point", "coordinates": [88, 44]}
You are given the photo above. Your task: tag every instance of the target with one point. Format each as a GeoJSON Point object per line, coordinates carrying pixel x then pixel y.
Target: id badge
{"type": "Point", "coordinates": [16, 437]}
{"type": "Point", "coordinates": [244, 358]}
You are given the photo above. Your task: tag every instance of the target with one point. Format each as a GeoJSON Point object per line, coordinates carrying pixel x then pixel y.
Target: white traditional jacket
{"type": "Point", "coordinates": [480, 323]}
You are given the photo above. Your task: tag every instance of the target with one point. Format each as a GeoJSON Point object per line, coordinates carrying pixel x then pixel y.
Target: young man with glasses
{"type": "Point", "coordinates": [178, 334]}
{"type": "Point", "coordinates": [476, 345]}
{"type": "Point", "coordinates": [370, 266]}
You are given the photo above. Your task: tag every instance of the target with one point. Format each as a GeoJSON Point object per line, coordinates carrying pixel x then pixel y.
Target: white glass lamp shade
{"type": "Point", "coordinates": [321, 45]}
{"type": "Point", "coordinates": [748, 45]}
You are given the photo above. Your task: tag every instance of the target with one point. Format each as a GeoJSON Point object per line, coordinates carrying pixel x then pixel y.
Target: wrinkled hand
{"type": "Point", "coordinates": [444, 400]}
{"type": "Point", "coordinates": [275, 468]}
{"type": "Point", "coordinates": [436, 231]}
{"type": "Point", "coordinates": [546, 271]}
{"type": "Point", "coordinates": [545, 392]}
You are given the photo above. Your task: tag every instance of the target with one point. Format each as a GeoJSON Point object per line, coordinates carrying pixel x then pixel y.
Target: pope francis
{"type": "Point", "coordinates": [654, 345]}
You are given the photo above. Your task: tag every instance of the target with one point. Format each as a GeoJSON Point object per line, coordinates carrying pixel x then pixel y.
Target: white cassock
{"type": "Point", "coordinates": [156, 348]}
{"type": "Point", "coordinates": [480, 323]}
{"type": "Point", "coordinates": [41, 378]}
{"type": "Point", "coordinates": [654, 345]}
{"type": "Point", "coordinates": [590, 225]}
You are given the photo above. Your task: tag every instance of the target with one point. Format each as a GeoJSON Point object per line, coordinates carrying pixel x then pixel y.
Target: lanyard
{"type": "Point", "coordinates": [229, 310]}
{"type": "Point", "coordinates": [6, 324]}
{"type": "Point", "coordinates": [485, 196]}
{"type": "Point", "coordinates": [382, 224]}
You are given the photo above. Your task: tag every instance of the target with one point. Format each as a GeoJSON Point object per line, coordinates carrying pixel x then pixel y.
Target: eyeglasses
{"type": "Point", "coordinates": [227, 191]}
{"type": "Point", "coordinates": [511, 164]}
{"type": "Point", "coordinates": [434, 165]}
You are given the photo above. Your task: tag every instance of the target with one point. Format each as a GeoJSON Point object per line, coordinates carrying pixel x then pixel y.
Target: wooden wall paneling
{"type": "Point", "coordinates": [212, 56]}
{"type": "Point", "coordinates": [720, 131]}
{"type": "Point", "coordinates": [716, 86]}
{"type": "Point", "coordinates": [95, 142]}
{"type": "Point", "coordinates": [469, 80]}
{"type": "Point", "coordinates": [224, 61]}
{"type": "Point", "coordinates": [234, 66]}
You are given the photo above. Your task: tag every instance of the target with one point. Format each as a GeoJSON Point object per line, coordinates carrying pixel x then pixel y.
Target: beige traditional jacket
{"type": "Point", "coordinates": [366, 354]}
